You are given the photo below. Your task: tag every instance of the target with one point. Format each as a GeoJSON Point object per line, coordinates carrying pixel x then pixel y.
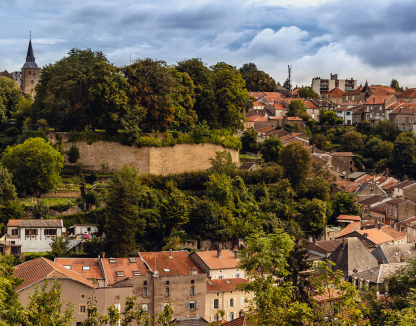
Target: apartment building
{"type": "Point", "coordinates": [323, 86]}
{"type": "Point", "coordinates": [404, 116]}
{"type": "Point", "coordinates": [375, 108]}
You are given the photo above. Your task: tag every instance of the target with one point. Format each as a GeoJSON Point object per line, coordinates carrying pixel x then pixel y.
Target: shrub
{"type": "Point", "coordinates": [73, 154]}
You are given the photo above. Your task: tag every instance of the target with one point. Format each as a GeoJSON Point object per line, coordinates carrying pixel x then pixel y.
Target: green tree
{"type": "Point", "coordinates": [383, 150]}
{"type": "Point", "coordinates": [329, 118]}
{"type": "Point", "coordinates": [40, 209]}
{"type": "Point", "coordinates": [46, 307]}
{"type": "Point", "coordinates": [259, 81]}
{"type": "Point", "coordinates": [296, 161]}
{"type": "Point", "coordinates": [222, 163]}
{"type": "Point", "coordinates": [296, 108]}
{"type": "Point", "coordinates": [313, 214]}
{"type": "Point", "coordinates": [220, 189]}
{"type": "Point", "coordinates": [287, 84]}
{"type": "Point", "coordinates": [10, 95]}
{"type": "Point", "coordinates": [271, 148]}
{"type": "Point", "coordinates": [395, 84]}
{"type": "Point", "coordinates": [123, 197]}
{"type": "Point", "coordinates": [386, 130]}
{"type": "Point", "coordinates": [345, 204]}
{"type": "Point", "coordinates": [315, 187]}
{"type": "Point", "coordinates": [73, 154]}
{"type": "Point", "coordinates": [364, 127]}
{"type": "Point", "coordinates": [370, 145]}
{"type": "Point", "coordinates": [10, 208]}
{"type": "Point", "coordinates": [307, 92]}
{"type": "Point", "coordinates": [352, 141]}
{"type": "Point", "coordinates": [59, 247]}
{"type": "Point", "coordinates": [249, 141]}
{"type": "Point", "coordinates": [403, 156]}
{"type": "Point", "coordinates": [321, 142]}
{"type": "Point", "coordinates": [248, 68]}
{"type": "Point", "coordinates": [35, 164]}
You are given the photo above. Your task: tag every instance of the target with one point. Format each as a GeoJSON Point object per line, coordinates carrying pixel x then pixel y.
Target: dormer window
{"type": "Point", "coordinates": [112, 260]}
{"type": "Point", "coordinates": [67, 267]}
{"type": "Point", "coordinates": [132, 260]}
{"type": "Point", "coordinates": [86, 268]}
{"type": "Point", "coordinates": [120, 274]}
{"type": "Point", "coordinates": [137, 273]}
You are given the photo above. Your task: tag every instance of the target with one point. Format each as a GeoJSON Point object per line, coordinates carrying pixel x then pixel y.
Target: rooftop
{"type": "Point", "coordinates": [210, 258]}
{"type": "Point", "coordinates": [376, 236]}
{"type": "Point", "coordinates": [379, 273]}
{"type": "Point", "coordinates": [87, 267]}
{"type": "Point", "coordinates": [36, 223]}
{"type": "Point", "coordinates": [224, 285]}
{"type": "Point", "coordinates": [118, 269]}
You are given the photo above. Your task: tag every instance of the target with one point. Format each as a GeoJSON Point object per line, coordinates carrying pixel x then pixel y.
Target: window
{"type": "Point", "coordinates": [214, 318]}
{"type": "Point", "coordinates": [31, 81]}
{"type": "Point", "coordinates": [192, 281]}
{"type": "Point", "coordinates": [112, 260]}
{"type": "Point", "coordinates": [86, 268]}
{"type": "Point", "coordinates": [144, 307]}
{"type": "Point", "coordinates": [231, 303]}
{"type": "Point", "coordinates": [145, 292]}
{"type": "Point", "coordinates": [230, 316]}
{"type": "Point", "coordinates": [31, 231]}
{"type": "Point", "coordinates": [15, 232]}
{"type": "Point", "coordinates": [34, 73]}
{"type": "Point", "coordinates": [30, 73]}
{"type": "Point", "coordinates": [404, 128]}
{"type": "Point", "coordinates": [82, 296]}
{"type": "Point", "coordinates": [67, 267]}
{"type": "Point", "coordinates": [242, 301]}
{"type": "Point", "coordinates": [49, 232]}
{"type": "Point", "coordinates": [166, 270]}
{"type": "Point", "coordinates": [216, 303]}
{"type": "Point", "coordinates": [144, 282]}
{"type": "Point", "coordinates": [120, 274]}
{"type": "Point", "coordinates": [192, 305]}
{"type": "Point", "coordinates": [192, 290]}
{"type": "Point", "coordinates": [137, 273]}
{"type": "Point", "coordinates": [167, 292]}
{"type": "Point", "coordinates": [167, 282]}
{"type": "Point", "coordinates": [117, 297]}
{"type": "Point", "coordinates": [88, 229]}
{"type": "Point", "coordinates": [132, 260]}
{"type": "Point", "coordinates": [82, 309]}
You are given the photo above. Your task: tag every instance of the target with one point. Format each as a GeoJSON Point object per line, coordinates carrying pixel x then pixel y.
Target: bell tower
{"type": "Point", "coordinates": [30, 72]}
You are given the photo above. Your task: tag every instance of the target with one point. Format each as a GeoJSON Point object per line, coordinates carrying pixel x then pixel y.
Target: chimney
{"type": "Point", "coordinates": [192, 271]}
{"type": "Point", "coordinates": [380, 261]}
{"type": "Point", "coordinates": [374, 100]}
{"type": "Point", "coordinates": [344, 243]}
{"type": "Point", "coordinates": [402, 259]}
{"type": "Point", "coordinates": [376, 223]}
{"type": "Point", "coordinates": [219, 252]}
{"type": "Point", "coordinates": [170, 253]}
{"type": "Point", "coordinates": [235, 253]}
{"type": "Point", "coordinates": [314, 241]}
{"type": "Point", "coordinates": [310, 239]}
{"type": "Point", "coordinates": [103, 254]}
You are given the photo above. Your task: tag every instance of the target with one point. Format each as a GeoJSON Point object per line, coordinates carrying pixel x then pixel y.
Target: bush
{"type": "Point", "coordinates": [73, 154]}
{"type": "Point", "coordinates": [92, 198]}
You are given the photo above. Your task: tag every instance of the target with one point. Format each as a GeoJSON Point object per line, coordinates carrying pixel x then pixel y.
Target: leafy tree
{"type": "Point", "coordinates": [92, 198]}
{"type": "Point", "coordinates": [321, 142]}
{"type": "Point", "coordinates": [259, 81]}
{"type": "Point", "coordinates": [386, 130]}
{"type": "Point", "coordinates": [123, 197]}
{"type": "Point", "coordinates": [45, 307]}
{"type": "Point", "coordinates": [315, 187]}
{"type": "Point", "coordinates": [329, 118]}
{"type": "Point", "coordinates": [313, 214]}
{"type": "Point", "coordinates": [287, 84]}
{"type": "Point", "coordinates": [364, 127]}
{"type": "Point", "coordinates": [248, 68]}
{"type": "Point", "coordinates": [59, 246]}
{"type": "Point", "coordinates": [383, 150]}
{"type": "Point", "coordinates": [395, 84]}
{"type": "Point", "coordinates": [40, 209]}
{"type": "Point", "coordinates": [73, 154]}
{"type": "Point", "coordinates": [352, 141]}
{"type": "Point", "coordinates": [10, 95]}
{"type": "Point", "coordinates": [369, 146]}
{"type": "Point", "coordinates": [345, 203]}
{"type": "Point", "coordinates": [220, 189]}
{"type": "Point", "coordinates": [35, 164]}
{"type": "Point", "coordinates": [173, 243]}
{"type": "Point", "coordinates": [296, 162]}
{"type": "Point", "coordinates": [307, 92]}
{"type": "Point", "coordinates": [296, 108]}
{"type": "Point", "coordinates": [249, 141]}
{"type": "Point", "coordinates": [271, 148]}
{"type": "Point", "coordinates": [222, 162]}
{"type": "Point", "coordinates": [404, 152]}
{"type": "Point", "coordinates": [205, 220]}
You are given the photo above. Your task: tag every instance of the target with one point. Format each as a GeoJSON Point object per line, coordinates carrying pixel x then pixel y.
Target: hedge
{"type": "Point", "coordinates": [96, 216]}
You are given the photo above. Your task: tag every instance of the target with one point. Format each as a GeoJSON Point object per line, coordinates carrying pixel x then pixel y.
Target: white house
{"type": "Point", "coordinates": [81, 229]}
{"type": "Point", "coordinates": [33, 235]}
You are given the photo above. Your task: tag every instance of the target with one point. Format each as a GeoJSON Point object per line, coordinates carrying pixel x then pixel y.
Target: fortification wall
{"type": "Point", "coordinates": [157, 160]}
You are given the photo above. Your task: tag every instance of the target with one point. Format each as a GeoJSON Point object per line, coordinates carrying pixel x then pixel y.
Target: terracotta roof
{"type": "Point", "coordinates": [348, 229]}
{"type": "Point", "coordinates": [389, 185]}
{"type": "Point", "coordinates": [210, 258]}
{"type": "Point", "coordinates": [36, 223]}
{"type": "Point", "coordinates": [343, 154]}
{"type": "Point", "coordinates": [224, 285]}
{"type": "Point", "coordinates": [392, 253]}
{"type": "Point", "coordinates": [279, 106]}
{"type": "Point", "coordinates": [411, 221]}
{"type": "Point", "coordinates": [180, 263]}
{"type": "Point", "coordinates": [266, 129]}
{"type": "Point", "coordinates": [371, 200]}
{"type": "Point", "coordinates": [6, 74]}
{"type": "Point", "coordinates": [328, 245]}
{"type": "Point", "coordinates": [290, 136]}
{"type": "Point", "coordinates": [335, 92]}
{"type": "Point", "coordinates": [349, 217]}
{"type": "Point", "coordinates": [276, 118]}
{"type": "Point", "coordinates": [395, 201]}
{"type": "Point", "coordinates": [310, 105]}
{"type": "Point", "coordinates": [328, 296]}
{"type": "Point", "coordinates": [396, 235]}
{"type": "Point", "coordinates": [376, 236]}
{"type": "Point", "coordinates": [359, 111]}
{"type": "Point", "coordinates": [294, 119]}
{"type": "Point", "coordinates": [256, 118]}
{"type": "Point", "coordinates": [257, 94]}
{"type": "Point", "coordinates": [366, 178]}
{"type": "Point", "coordinates": [77, 265]}
{"type": "Point", "coordinates": [275, 95]}
{"type": "Point", "coordinates": [125, 265]}
{"type": "Point", "coordinates": [379, 209]}
{"type": "Point", "coordinates": [38, 269]}
{"type": "Point", "coordinates": [378, 99]}
{"type": "Point", "coordinates": [405, 108]}
{"type": "Point", "coordinates": [351, 188]}
{"type": "Point", "coordinates": [404, 184]}
{"type": "Point", "coordinates": [258, 104]}
{"type": "Point", "coordinates": [240, 321]}
{"type": "Point", "coordinates": [411, 92]}
{"type": "Point", "coordinates": [295, 91]}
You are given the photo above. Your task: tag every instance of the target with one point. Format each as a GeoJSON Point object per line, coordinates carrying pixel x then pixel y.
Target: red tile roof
{"type": "Point", "coordinates": [258, 104]}
{"type": "Point", "coordinates": [36, 270]}
{"type": "Point", "coordinates": [310, 105]}
{"type": "Point", "coordinates": [295, 91]}
{"type": "Point", "coordinates": [240, 321]}
{"type": "Point", "coordinates": [266, 129]}
{"type": "Point", "coordinates": [122, 265]}
{"type": "Point", "coordinates": [210, 258]}
{"type": "Point", "coordinates": [349, 217]}
{"type": "Point", "coordinates": [405, 108]}
{"type": "Point", "coordinates": [335, 92]}
{"type": "Point", "coordinates": [257, 94]}
{"type": "Point", "coordinates": [256, 118]}
{"type": "Point", "coordinates": [376, 99]}
{"type": "Point", "coordinates": [376, 236]}
{"type": "Point", "coordinates": [294, 119]}
{"type": "Point", "coordinates": [36, 223]}
{"type": "Point", "coordinates": [348, 229]}
{"type": "Point", "coordinates": [276, 118]}
{"type": "Point", "coordinates": [275, 95]}
{"type": "Point", "coordinates": [180, 263]}
{"type": "Point", "coordinates": [290, 136]}
{"type": "Point", "coordinates": [408, 93]}
{"type": "Point", "coordinates": [396, 235]}
{"type": "Point", "coordinates": [224, 285]}
{"type": "Point", "coordinates": [389, 185]}
{"type": "Point", "coordinates": [279, 106]}
{"type": "Point", "coordinates": [77, 265]}
{"type": "Point", "coordinates": [343, 154]}
{"type": "Point", "coordinates": [395, 201]}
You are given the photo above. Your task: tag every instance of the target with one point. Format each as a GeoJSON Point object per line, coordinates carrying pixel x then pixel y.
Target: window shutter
{"type": "Point", "coordinates": [228, 317]}
{"type": "Point", "coordinates": [228, 301]}
{"type": "Point", "coordinates": [235, 315]}
{"type": "Point", "coordinates": [150, 308]}
{"type": "Point", "coordinates": [233, 275]}
{"type": "Point", "coordinates": [220, 303]}
{"type": "Point", "coordinates": [161, 307]}
{"type": "Point", "coordinates": [197, 304]}
{"type": "Point", "coordinates": [187, 305]}
{"type": "Point", "coordinates": [234, 302]}
{"type": "Point", "coordinates": [212, 318]}
{"type": "Point", "coordinates": [212, 304]}
{"type": "Point", "coordinates": [172, 305]}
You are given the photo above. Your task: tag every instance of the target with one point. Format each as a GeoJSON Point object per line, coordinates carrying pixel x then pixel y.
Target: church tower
{"type": "Point", "coordinates": [30, 72]}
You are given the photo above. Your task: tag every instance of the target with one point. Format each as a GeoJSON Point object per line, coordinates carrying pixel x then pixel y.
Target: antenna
{"type": "Point", "coordinates": [290, 77]}
{"type": "Point", "coordinates": [30, 34]}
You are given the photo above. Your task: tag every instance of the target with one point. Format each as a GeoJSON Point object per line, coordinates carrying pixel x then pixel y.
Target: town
{"type": "Point", "coordinates": [188, 194]}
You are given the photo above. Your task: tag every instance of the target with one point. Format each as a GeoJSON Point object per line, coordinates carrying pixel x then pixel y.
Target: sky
{"type": "Point", "coordinates": [372, 40]}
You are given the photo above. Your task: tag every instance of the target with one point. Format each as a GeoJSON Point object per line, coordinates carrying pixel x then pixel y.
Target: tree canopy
{"type": "Point", "coordinates": [259, 81]}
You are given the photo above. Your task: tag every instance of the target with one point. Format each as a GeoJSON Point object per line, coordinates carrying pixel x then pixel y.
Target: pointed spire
{"type": "Point", "coordinates": [30, 57]}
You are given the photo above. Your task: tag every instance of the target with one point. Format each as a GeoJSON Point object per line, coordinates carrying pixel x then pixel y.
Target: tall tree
{"type": "Point", "coordinates": [249, 141]}
{"type": "Point", "coordinates": [296, 108]}
{"type": "Point", "coordinates": [386, 130]}
{"type": "Point", "coordinates": [270, 149]}
{"type": "Point", "coordinates": [10, 95]}
{"type": "Point", "coordinates": [248, 68]}
{"type": "Point", "coordinates": [307, 92]}
{"type": "Point", "coordinates": [287, 84]}
{"type": "Point", "coordinates": [395, 84]}
{"type": "Point", "coordinates": [296, 162]}
{"type": "Point", "coordinates": [352, 141]}
{"type": "Point", "coordinates": [345, 203]}
{"type": "Point", "coordinates": [259, 81]}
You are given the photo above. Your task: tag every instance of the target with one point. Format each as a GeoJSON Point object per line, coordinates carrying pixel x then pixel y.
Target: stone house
{"type": "Point", "coordinates": [374, 276]}
{"type": "Point", "coordinates": [409, 95]}
{"type": "Point", "coordinates": [404, 116]}
{"type": "Point", "coordinates": [33, 235]}
{"type": "Point", "coordinates": [335, 94]}
{"type": "Point", "coordinates": [375, 108]}
{"type": "Point", "coordinates": [399, 209]}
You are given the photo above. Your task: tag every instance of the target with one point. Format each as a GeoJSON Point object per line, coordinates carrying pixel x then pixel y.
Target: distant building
{"type": "Point", "coordinates": [323, 86]}
{"type": "Point", "coordinates": [30, 72]}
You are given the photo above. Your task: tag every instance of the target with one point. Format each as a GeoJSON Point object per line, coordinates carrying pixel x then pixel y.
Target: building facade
{"type": "Point", "coordinates": [323, 86]}
{"type": "Point", "coordinates": [30, 74]}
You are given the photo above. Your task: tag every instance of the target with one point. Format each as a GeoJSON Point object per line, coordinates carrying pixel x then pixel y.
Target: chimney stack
{"type": "Point", "coordinates": [374, 100]}
{"type": "Point", "coordinates": [380, 261]}
{"type": "Point", "coordinates": [219, 252]}
{"type": "Point", "coordinates": [344, 243]}
{"type": "Point", "coordinates": [402, 259]}
{"type": "Point", "coordinates": [170, 253]}
{"type": "Point", "coordinates": [103, 254]}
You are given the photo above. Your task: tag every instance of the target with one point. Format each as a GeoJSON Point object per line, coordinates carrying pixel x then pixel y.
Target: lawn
{"type": "Point", "coordinates": [30, 202]}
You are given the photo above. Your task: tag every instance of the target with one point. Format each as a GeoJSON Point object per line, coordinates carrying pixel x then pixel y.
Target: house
{"type": "Point", "coordinates": [323, 86]}
{"type": "Point", "coordinates": [257, 122]}
{"type": "Point", "coordinates": [75, 287]}
{"type": "Point", "coordinates": [313, 110]}
{"type": "Point", "coordinates": [258, 105]}
{"type": "Point", "coordinates": [347, 157]}
{"type": "Point", "coordinates": [218, 264]}
{"type": "Point", "coordinates": [375, 108]}
{"type": "Point", "coordinates": [90, 268]}
{"type": "Point", "coordinates": [399, 209]}
{"type": "Point", "coordinates": [82, 229]}
{"type": "Point", "coordinates": [405, 189]}
{"type": "Point", "coordinates": [334, 94]}
{"type": "Point", "coordinates": [249, 166]}
{"type": "Point", "coordinates": [33, 235]}
{"type": "Point", "coordinates": [345, 112]}
{"type": "Point", "coordinates": [374, 276]}
{"type": "Point", "coordinates": [352, 256]}
{"type": "Point", "coordinates": [408, 226]}
{"type": "Point", "coordinates": [369, 189]}
{"type": "Point", "coordinates": [404, 116]}
{"type": "Point", "coordinates": [409, 95]}
{"type": "Point", "coordinates": [397, 253]}
{"type": "Point", "coordinates": [293, 137]}
{"type": "Point", "coordinates": [324, 248]}
{"type": "Point", "coordinates": [264, 132]}
{"type": "Point", "coordinates": [363, 93]}
{"type": "Point", "coordinates": [370, 202]}
{"type": "Point", "coordinates": [223, 294]}
{"type": "Point", "coordinates": [240, 321]}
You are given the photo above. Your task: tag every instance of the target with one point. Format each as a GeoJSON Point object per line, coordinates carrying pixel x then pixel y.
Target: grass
{"type": "Point", "coordinates": [248, 157]}
{"type": "Point", "coordinates": [30, 202]}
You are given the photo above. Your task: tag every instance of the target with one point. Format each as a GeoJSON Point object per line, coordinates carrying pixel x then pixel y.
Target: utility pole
{"type": "Point", "coordinates": [290, 77]}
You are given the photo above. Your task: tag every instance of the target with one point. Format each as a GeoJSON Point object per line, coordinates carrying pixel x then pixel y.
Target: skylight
{"type": "Point", "coordinates": [67, 266]}
{"type": "Point", "coordinates": [137, 273]}
{"type": "Point", "coordinates": [86, 268]}
{"type": "Point", "coordinates": [120, 274]}
{"type": "Point", "coordinates": [167, 270]}
{"type": "Point", "coordinates": [132, 260]}
{"type": "Point", "coordinates": [112, 260]}
{"type": "Point", "coordinates": [228, 282]}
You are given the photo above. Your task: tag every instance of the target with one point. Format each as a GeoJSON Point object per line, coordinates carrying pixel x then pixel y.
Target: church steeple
{"type": "Point", "coordinates": [30, 57]}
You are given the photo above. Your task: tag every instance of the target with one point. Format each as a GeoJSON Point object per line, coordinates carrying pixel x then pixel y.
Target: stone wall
{"type": "Point", "coordinates": [157, 160]}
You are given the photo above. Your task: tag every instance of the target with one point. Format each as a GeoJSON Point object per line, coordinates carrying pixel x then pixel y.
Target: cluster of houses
{"type": "Point", "coordinates": [352, 104]}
